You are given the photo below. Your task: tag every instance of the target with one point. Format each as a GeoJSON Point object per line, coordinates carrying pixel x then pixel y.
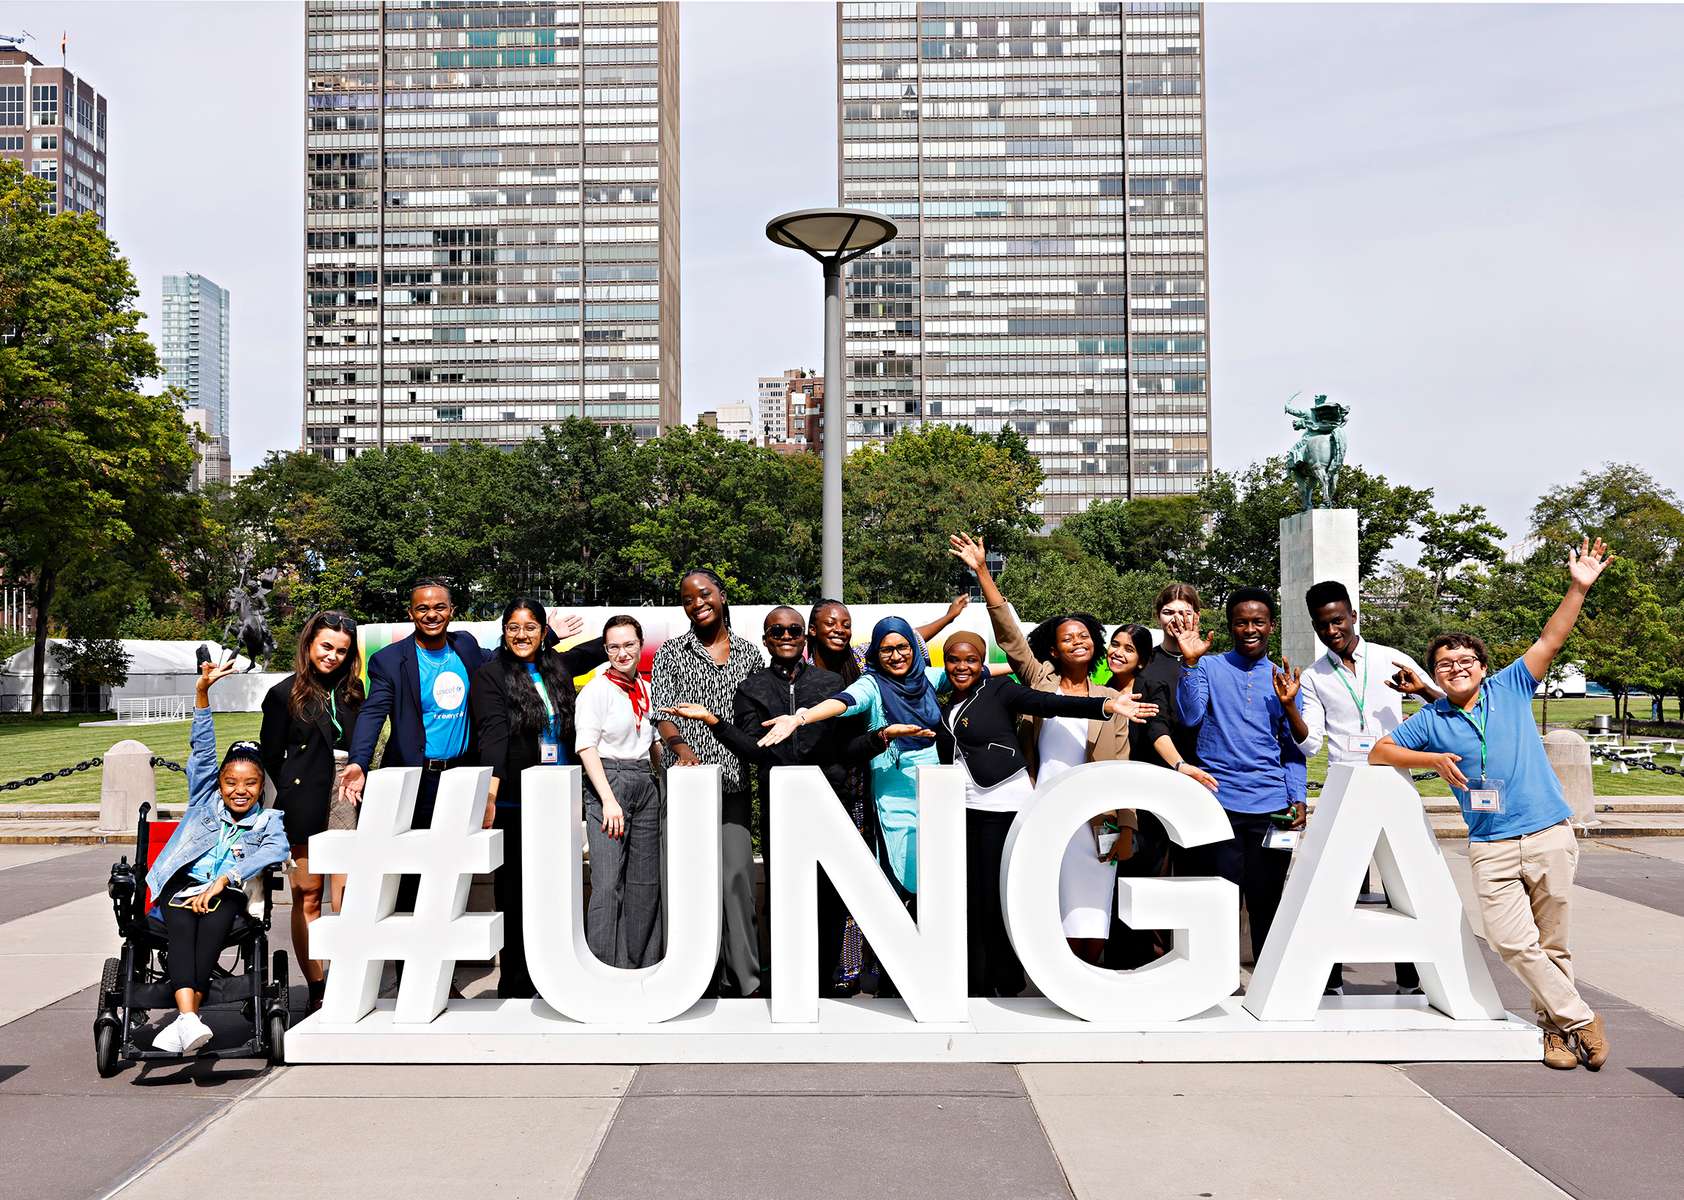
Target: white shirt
{"type": "Point", "coordinates": [1328, 695]}
{"type": "Point", "coordinates": [603, 721]}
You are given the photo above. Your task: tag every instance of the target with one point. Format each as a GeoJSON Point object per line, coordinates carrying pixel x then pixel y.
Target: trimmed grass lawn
{"type": "Point", "coordinates": [30, 746]}
{"type": "Point", "coordinates": [1576, 714]}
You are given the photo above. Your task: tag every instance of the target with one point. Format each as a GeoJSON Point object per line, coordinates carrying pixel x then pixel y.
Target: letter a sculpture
{"type": "Point", "coordinates": [1317, 456]}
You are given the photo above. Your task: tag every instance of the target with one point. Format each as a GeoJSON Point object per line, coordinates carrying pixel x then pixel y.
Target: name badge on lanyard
{"type": "Point", "coordinates": [1281, 839]}
{"type": "Point", "coordinates": [549, 745]}
{"type": "Point", "coordinates": [1360, 743]}
{"type": "Point", "coordinates": [1485, 796]}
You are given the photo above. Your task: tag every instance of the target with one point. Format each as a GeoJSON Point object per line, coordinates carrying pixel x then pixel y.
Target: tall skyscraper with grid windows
{"type": "Point", "coordinates": [193, 351]}
{"type": "Point", "coordinates": [491, 224]}
{"type": "Point", "coordinates": [1045, 165]}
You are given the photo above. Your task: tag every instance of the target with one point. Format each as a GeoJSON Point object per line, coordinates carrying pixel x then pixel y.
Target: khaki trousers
{"type": "Point", "coordinates": [1523, 885]}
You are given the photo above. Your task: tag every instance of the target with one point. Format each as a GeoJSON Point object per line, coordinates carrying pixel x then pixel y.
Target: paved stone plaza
{"type": "Point", "coordinates": [1149, 1130]}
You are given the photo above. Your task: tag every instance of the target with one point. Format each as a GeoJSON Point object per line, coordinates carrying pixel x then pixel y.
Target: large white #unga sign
{"type": "Point", "coordinates": [1181, 1007]}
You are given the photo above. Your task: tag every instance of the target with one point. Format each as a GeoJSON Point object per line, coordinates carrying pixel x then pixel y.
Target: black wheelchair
{"type": "Point", "coordinates": [138, 979]}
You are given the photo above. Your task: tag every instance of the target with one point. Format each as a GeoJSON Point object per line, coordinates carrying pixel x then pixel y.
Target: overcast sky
{"type": "Point", "coordinates": [1461, 220]}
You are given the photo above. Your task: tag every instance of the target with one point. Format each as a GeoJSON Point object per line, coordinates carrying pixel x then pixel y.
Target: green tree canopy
{"type": "Point", "coordinates": [92, 470]}
{"type": "Point", "coordinates": [902, 500]}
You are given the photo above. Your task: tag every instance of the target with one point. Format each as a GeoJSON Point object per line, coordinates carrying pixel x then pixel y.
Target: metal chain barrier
{"type": "Point", "coordinates": [62, 773]}
{"type": "Point", "coordinates": [86, 765]}
{"type": "Point", "coordinates": [1629, 759]}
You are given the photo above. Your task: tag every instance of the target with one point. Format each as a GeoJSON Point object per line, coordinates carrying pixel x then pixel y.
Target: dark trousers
{"type": "Point", "coordinates": [994, 966]}
{"type": "Point", "coordinates": [195, 940]}
{"type": "Point", "coordinates": [739, 970]}
{"type": "Point", "coordinates": [1127, 948]}
{"type": "Point", "coordinates": [513, 981]}
{"type": "Point", "coordinates": [1243, 860]}
{"type": "Point", "coordinates": [1407, 975]}
{"type": "Point", "coordinates": [425, 797]}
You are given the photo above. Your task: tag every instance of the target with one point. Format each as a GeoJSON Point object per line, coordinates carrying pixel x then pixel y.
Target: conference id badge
{"type": "Point", "coordinates": [1281, 839]}
{"type": "Point", "coordinates": [1485, 796]}
{"type": "Point", "coordinates": [549, 751]}
{"type": "Point", "coordinates": [1360, 743]}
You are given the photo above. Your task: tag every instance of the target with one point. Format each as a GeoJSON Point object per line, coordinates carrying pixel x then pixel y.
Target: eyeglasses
{"type": "Point", "coordinates": [786, 631]}
{"type": "Point", "coordinates": [518, 629]}
{"type": "Point", "coordinates": [894, 652]}
{"type": "Point", "coordinates": [1445, 666]}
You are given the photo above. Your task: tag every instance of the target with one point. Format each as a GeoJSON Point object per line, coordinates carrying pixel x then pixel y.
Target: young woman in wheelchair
{"type": "Point", "coordinates": [225, 841]}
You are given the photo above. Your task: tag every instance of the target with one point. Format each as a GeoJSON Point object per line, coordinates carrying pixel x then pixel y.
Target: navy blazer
{"type": "Point", "coordinates": [394, 690]}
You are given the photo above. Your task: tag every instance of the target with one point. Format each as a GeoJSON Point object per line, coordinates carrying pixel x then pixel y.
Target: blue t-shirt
{"type": "Point", "coordinates": [1514, 754]}
{"type": "Point", "coordinates": [444, 701]}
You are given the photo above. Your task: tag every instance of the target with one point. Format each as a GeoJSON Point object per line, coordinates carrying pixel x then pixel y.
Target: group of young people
{"type": "Point", "coordinates": [869, 716]}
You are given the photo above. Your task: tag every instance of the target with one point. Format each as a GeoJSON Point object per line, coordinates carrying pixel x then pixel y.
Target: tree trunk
{"type": "Point", "coordinates": [1544, 720]}
{"type": "Point", "coordinates": [45, 583]}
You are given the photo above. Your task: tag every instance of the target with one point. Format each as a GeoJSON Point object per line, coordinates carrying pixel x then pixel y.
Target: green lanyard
{"type": "Point", "coordinates": [1360, 701]}
{"type": "Point", "coordinates": [333, 710]}
{"type": "Point", "coordinates": [1478, 726]}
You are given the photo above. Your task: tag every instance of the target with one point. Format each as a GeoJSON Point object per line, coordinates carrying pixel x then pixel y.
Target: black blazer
{"type": "Point", "coordinates": [394, 690]}
{"type": "Point", "coordinates": [489, 706]}
{"type": "Point", "coordinates": [832, 746]}
{"type": "Point", "coordinates": [298, 757]}
{"type": "Point", "coordinates": [980, 723]}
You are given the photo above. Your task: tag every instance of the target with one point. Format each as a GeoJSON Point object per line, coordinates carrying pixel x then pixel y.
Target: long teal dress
{"type": "Point", "coordinates": [894, 782]}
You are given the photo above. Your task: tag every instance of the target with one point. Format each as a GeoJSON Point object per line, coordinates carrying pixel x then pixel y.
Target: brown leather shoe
{"type": "Point", "coordinates": [1593, 1043]}
{"type": "Point", "coordinates": [1558, 1053]}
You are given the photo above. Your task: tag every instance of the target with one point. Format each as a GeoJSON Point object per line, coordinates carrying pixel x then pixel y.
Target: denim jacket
{"type": "Point", "coordinates": [263, 844]}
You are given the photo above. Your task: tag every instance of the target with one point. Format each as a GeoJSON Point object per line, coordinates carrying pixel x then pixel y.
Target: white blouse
{"type": "Point", "coordinates": [603, 721]}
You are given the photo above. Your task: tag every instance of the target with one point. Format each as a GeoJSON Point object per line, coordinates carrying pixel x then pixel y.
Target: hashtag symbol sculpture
{"type": "Point", "coordinates": [364, 935]}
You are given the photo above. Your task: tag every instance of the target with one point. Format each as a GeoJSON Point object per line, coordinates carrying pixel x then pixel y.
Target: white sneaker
{"type": "Point", "coordinates": [1409, 991]}
{"type": "Point", "coordinates": [1334, 991]}
{"type": "Point", "coordinates": [169, 1039]}
{"type": "Point", "coordinates": [196, 1036]}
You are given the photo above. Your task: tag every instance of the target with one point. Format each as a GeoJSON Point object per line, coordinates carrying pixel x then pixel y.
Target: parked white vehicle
{"type": "Point", "coordinates": [1566, 681]}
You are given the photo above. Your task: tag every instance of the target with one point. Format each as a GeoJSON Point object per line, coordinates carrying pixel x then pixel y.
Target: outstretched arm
{"type": "Point", "coordinates": [779, 728]}
{"type": "Point", "coordinates": [1584, 565]}
{"type": "Point", "coordinates": [928, 632]}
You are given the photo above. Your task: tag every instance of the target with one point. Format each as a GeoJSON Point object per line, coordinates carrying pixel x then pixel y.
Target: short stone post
{"type": "Point", "coordinates": [127, 781]}
{"type": "Point", "coordinates": [1569, 756]}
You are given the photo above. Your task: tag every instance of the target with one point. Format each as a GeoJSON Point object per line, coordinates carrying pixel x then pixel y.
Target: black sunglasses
{"type": "Point", "coordinates": [786, 631]}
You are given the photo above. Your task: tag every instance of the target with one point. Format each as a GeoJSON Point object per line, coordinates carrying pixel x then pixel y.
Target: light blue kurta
{"type": "Point", "coordinates": [894, 781]}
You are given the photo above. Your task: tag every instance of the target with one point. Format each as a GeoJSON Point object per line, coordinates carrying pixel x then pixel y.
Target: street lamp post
{"type": "Point", "coordinates": [834, 236]}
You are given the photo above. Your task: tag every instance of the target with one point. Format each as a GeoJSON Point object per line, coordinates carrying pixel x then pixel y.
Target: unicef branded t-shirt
{"type": "Point", "coordinates": [444, 701]}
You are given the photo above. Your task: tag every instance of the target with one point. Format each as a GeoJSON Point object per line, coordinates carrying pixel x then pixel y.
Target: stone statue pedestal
{"type": "Point", "coordinates": [1315, 546]}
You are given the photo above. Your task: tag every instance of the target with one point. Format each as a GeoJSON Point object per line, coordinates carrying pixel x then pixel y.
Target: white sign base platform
{"type": "Point", "coordinates": [1345, 1029]}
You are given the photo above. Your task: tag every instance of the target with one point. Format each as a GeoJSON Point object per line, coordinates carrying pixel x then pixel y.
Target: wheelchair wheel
{"type": "Point", "coordinates": [277, 1038]}
{"type": "Point", "coordinates": [111, 984]}
{"type": "Point", "coordinates": [278, 979]}
{"type": "Point", "coordinates": [105, 1048]}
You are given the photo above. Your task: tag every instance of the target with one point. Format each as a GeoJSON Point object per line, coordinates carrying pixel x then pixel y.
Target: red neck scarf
{"type": "Point", "coordinates": [636, 691]}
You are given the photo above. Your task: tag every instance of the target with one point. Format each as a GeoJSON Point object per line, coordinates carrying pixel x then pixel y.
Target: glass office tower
{"type": "Point", "coordinates": [491, 225]}
{"type": "Point", "coordinates": [194, 353]}
{"type": "Point", "coordinates": [1045, 165]}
